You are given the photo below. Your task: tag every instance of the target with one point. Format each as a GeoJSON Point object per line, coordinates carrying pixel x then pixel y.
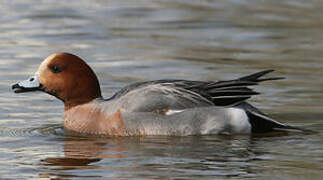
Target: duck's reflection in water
{"type": "Point", "coordinates": [81, 153]}
{"type": "Point", "coordinates": [149, 157]}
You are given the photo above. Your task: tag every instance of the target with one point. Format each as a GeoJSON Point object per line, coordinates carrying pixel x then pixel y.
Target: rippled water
{"type": "Point", "coordinates": [128, 41]}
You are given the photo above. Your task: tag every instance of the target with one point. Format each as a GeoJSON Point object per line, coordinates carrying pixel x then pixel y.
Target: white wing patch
{"type": "Point", "coordinates": [170, 112]}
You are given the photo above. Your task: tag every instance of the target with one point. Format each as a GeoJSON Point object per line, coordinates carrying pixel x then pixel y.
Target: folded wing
{"type": "Point", "coordinates": [181, 94]}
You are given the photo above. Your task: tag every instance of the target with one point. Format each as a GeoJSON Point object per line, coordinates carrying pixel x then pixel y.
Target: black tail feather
{"type": "Point", "coordinates": [232, 92]}
{"type": "Point", "coordinates": [255, 77]}
{"type": "Point", "coordinates": [261, 123]}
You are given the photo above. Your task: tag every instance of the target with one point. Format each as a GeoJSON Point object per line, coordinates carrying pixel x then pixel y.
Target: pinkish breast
{"type": "Point", "coordinates": [88, 119]}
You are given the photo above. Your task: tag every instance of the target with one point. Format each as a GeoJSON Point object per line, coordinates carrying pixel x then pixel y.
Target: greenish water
{"type": "Point", "coordinates": [129, 41]}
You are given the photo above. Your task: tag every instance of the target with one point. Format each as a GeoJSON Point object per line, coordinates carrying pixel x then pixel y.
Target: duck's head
{"type": "Point", "coordinates": [64, 76]}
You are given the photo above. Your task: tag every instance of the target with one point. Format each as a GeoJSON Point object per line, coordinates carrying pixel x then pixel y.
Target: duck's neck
{"type": "Point", "coordinates": [80, 101]}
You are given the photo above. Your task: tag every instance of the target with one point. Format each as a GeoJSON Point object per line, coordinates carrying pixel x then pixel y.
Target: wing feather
{"type": "Point", "coordinates": [181, 94]}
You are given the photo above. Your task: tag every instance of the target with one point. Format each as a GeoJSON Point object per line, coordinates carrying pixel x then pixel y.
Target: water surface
{"type": "Point", "coordinates": [130, 41]}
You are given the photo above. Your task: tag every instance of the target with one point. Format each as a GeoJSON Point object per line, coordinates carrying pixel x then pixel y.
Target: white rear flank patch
{"type": "Point", "coordinates": [238, 120]}
{"type": "Point", "coordinates": [170, 112]}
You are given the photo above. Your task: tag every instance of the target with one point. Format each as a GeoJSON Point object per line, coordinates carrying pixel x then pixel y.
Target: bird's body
{"type": "Point", "coordinates": [162, 107]}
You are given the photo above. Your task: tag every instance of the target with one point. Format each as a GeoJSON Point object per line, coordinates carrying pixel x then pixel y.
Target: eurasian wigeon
{"type": "Point", "coordinates": [162, 107]}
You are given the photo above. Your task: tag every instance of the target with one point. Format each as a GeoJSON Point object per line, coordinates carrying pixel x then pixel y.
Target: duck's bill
{"type": "Point", "coordinates": [31, 84]}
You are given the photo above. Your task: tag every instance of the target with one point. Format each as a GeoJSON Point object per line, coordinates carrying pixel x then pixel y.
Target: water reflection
{"type": "Point", "coordinates": [223, 156]}
{"type": "Point", "coordinates": [149, 157]}
{"type": "Point", "coordinates": [81, 153]}
{"type": "Point", "coordinates": [87, 151]}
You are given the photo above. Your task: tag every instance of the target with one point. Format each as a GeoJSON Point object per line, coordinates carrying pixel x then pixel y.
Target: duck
{"type": "Point", "coordinates": [171, 107]}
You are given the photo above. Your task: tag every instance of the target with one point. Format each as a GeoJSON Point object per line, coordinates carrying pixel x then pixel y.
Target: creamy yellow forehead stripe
{"type": "Point", "coordinates": [43, 65]}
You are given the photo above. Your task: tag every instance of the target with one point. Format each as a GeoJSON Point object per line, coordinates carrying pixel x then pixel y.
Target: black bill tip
{"type": "Point", "coordinates": [19, 89]}
{"type": "Point", "coordinates": [16, 88]}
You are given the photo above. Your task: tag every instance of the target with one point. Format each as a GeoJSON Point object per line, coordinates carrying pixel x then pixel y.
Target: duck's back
{"type": "Point", "coordinates": [181, 94]}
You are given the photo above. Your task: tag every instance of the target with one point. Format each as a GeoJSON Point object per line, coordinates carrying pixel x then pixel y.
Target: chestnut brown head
{"type": "Point", "coordinates": [66, 77]}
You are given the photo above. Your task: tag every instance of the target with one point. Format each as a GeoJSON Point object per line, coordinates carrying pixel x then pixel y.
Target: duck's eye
{"type": "Point", "coordinates": [56, 69]}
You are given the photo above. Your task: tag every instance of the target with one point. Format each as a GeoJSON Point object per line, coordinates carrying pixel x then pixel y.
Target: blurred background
{"type": "Point", "coordinates": [138, 40]}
